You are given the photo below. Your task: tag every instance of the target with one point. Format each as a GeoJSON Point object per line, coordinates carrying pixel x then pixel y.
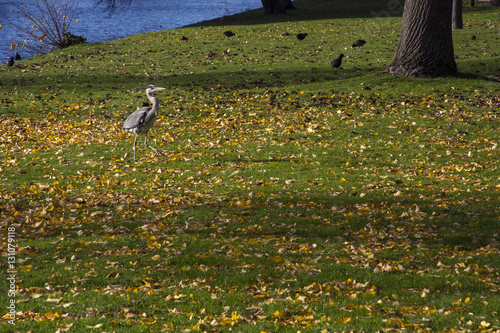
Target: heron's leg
{"type": "Point", "coordinates": [135, 145]}
{"type": "Point", "coordinates": [155, 150]}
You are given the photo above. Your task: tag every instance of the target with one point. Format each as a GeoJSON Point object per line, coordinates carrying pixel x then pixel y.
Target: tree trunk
{"type": "Point", "coordinates": [288, 4]}
{"type": "Point", "coordinates": [472, 3]}
{"type": "Point", "coordinates": [275, 7]}
{"type": "Point", "coordinates": [425, 47]}
{"type": "Point", "coordinates": [456, 19]}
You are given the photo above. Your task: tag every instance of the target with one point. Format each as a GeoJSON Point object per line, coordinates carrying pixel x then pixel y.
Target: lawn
{"type": "Point", "coordinates": [291, 196]}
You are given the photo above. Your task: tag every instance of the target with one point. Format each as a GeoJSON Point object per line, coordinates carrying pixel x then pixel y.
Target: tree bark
{"type": "Point", "coordinates": [425, 47]}
{"type": "Point", "coordinates": [275, 7]}
{"type": "Point", "coordinates": [457, 20]}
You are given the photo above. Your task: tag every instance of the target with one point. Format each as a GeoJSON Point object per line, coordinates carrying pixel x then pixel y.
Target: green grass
{"type": "Point", "coordinates": [291, 197]}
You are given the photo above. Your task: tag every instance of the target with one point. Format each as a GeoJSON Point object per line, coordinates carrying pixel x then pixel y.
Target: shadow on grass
{"type": "Point", "coordinates": [232, 80]}
{"type": "Point", "coordinates": [477, 77]}
{"type": "Point", "coordinates": [373, 78]}
{"type": "Point", "coordinates": [324, 10]}
{"type": "Point", "coordinates": [319, 219]}
{"type": "Point", "coordinates": [313, 10]}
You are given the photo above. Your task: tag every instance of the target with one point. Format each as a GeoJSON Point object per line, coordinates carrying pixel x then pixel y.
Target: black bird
{"type": "Point", "coordinates": [10, 61]}
{"type": "Point", "coordinates": [358, 43]}
{"type": "Point", "coordinates": [184, 38]}
{"type": "Point", "coordinates": [17, 57]}
{"type": "Point", "coordinates": [301, 36]}
{"type": "Point", "coordinates": [229, 33]}
{"type": "Point", "coordinates": [337, 62]}
{"type": "Point", "coordinates": [285, 34]}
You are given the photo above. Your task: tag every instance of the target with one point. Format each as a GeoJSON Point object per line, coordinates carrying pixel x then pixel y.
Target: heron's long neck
{"type": "Point", "coordinates": [153, 100]}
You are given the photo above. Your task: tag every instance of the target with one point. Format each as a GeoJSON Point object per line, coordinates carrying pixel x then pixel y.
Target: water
{"type": "Point", "coordinates": [142, 16]}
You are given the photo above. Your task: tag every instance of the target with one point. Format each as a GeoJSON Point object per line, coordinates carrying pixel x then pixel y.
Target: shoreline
{"type": "Point", "coordinates": [27, 54]}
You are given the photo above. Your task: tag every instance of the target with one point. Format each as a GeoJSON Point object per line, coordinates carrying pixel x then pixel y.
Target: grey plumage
{"type": "Point", "coordinates": [141, 120]}
{"type": "Point", "coordinates": [337, 62]}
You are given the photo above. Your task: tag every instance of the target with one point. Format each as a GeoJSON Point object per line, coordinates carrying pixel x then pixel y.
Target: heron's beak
{"type": "Point", "coordinates": [158, 89]}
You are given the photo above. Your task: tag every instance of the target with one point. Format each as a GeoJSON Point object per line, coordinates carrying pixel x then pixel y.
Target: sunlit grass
{"type": "Point", "coordinates": [291, 196]}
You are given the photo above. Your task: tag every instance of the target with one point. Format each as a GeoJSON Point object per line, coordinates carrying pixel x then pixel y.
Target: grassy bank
{"type": "Point", "coordinates": [291, 196]}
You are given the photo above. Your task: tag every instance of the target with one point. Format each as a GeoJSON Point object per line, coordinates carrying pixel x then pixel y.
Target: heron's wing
{"type": "Point", "coordinates": [136, 119]}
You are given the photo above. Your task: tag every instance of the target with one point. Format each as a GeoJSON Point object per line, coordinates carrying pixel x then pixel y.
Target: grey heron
{"type": "Point", "coordinates": [336, 62]}
{"type": "Point", "coordinates": [141, 120]}
{"type": "Point", "coordinates": [358, 43]}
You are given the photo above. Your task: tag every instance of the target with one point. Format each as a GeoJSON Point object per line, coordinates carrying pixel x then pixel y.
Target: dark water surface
{"type": "Point", "coordinates": [142, 16]}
